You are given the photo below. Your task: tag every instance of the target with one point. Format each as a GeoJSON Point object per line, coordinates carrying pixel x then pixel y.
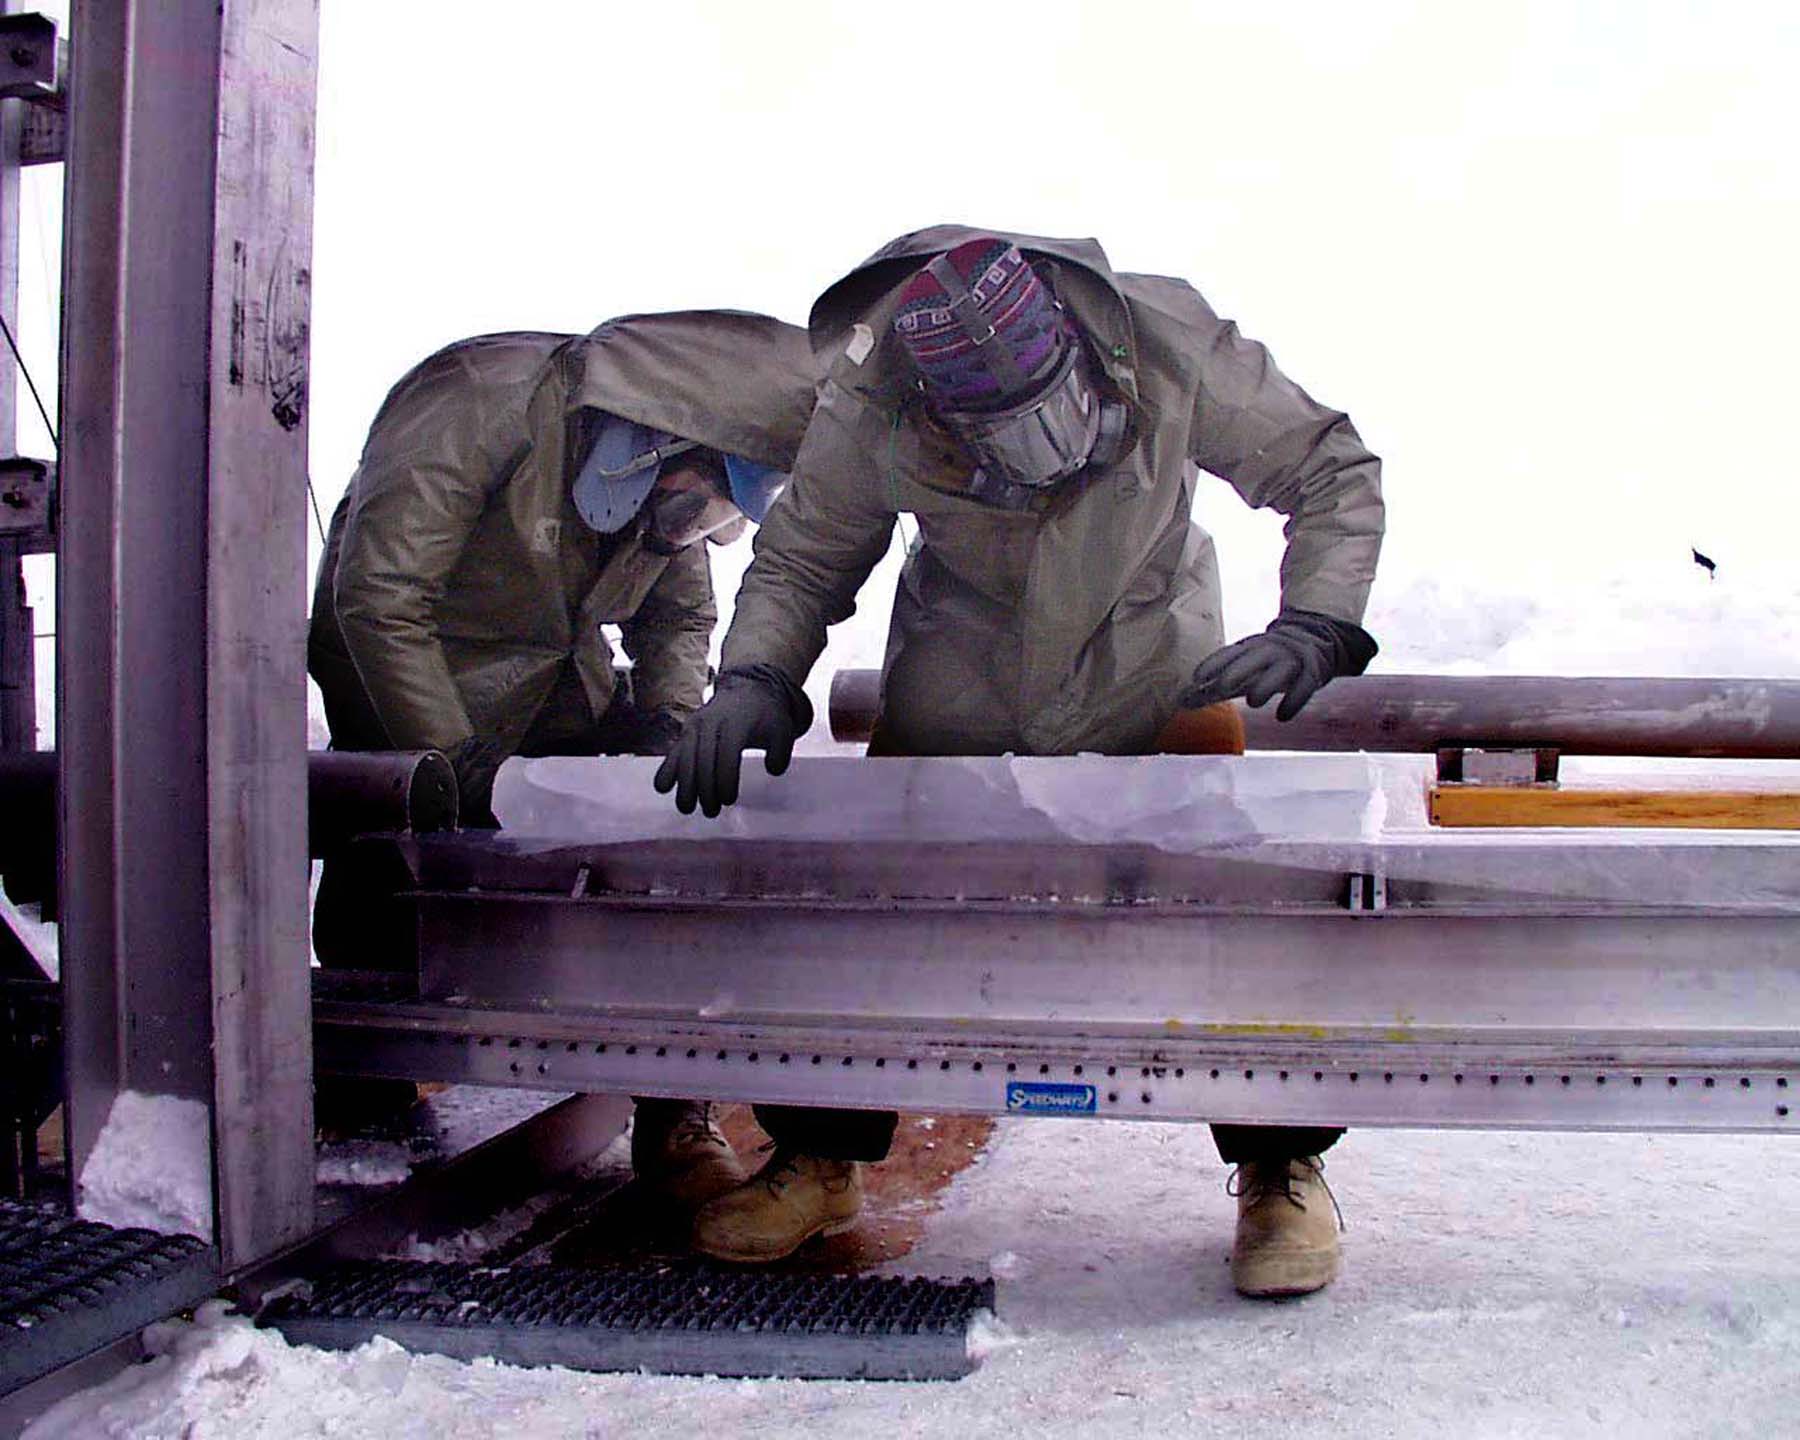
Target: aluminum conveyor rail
{"type": "Point", "coordinates": [1274, 939]}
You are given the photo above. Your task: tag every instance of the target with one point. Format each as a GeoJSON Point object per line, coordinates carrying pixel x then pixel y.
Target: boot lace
{"type": "Point", "coordinates": [782, 1170]}
{"type": "Point", "coordinates": [1259, 1180]}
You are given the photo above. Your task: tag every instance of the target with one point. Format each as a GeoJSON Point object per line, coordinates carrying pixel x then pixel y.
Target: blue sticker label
{"type": "Point", "coordinates": [1024, 1097]}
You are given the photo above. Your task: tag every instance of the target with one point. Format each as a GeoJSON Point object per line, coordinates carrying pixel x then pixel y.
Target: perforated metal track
{"type": "Point", "coordinates": [678, 1319]}
{"type": "Point", "coordinates": [69, 1287]}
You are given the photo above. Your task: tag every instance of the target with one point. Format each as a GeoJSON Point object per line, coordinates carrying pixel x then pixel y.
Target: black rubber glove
{"type": "Point", "coordinates": [1296, 655]}
{"type": "Point", "coordinates": [755, 706]}
{"type": "Point", "coordinates": [476, 762]}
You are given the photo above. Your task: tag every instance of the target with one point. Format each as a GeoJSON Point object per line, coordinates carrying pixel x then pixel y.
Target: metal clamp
{"type": "Point", "coordinates": [26, 487]}
{"type": "Point", "coordinates": [1507, 765]}
{"type": "Point", "coordinates": [1365, 894]}
{"type": "Point", "coordinates": [28, 57]}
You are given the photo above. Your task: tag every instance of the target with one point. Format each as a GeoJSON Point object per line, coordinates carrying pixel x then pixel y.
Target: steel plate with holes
{"type": "Point", "coordinates": [669, 1319]}
{"type": "Point", "coordinates": [70, 1287]}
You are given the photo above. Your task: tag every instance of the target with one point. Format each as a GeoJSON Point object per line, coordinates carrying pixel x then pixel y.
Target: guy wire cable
{"type": "Point", "coordinates": [31, 384]}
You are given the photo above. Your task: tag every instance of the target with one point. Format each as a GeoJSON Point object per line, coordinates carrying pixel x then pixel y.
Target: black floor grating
{"type": "Point", "coordinates": [672, 1319]}
{"type": "Point", "coordinates": [69, 1287]}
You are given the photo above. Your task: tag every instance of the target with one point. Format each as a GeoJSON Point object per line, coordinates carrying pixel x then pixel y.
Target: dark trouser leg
{"type": "Point", "coordinates": [829, 1134]}
{"type": "Point", "coordinates": [1254, 1144]}
{"type": "Point", "coordinates": [359, 922]}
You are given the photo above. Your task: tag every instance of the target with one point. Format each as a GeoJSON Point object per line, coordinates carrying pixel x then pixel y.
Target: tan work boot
{"type": "Point", "coordinates": [781, 1207]}
{"type": "Point", "coordinates": [679, 1153]}
{"type": "Point", "coordinates": [1287, 1228]}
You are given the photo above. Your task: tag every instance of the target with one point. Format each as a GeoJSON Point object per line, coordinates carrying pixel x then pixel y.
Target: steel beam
{"type": "Point", "coordinates": [1327, 973]}
{"type": "Point", "coordinates": [1284, 1075]}
{"type": "Point", "coordinates": [1595, 980]}
{"type": "Point", "coordinates": [181, 586]}
{"type": "Point", "coordinates": [1740, 719]}
{"type": "Point", "coordinates": [462, 1192]}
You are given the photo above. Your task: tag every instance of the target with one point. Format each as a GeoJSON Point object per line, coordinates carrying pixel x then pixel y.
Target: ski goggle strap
{"type": "Point", "coordinates": [965, 311]}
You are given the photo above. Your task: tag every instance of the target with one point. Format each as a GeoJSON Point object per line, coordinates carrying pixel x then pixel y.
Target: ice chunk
{"type": "Point", "coordinates": [1176, 802]}
{"type": "Point", "coordinates": [1185, 802]}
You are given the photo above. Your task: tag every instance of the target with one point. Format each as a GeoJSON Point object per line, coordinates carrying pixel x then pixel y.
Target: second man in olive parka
{"type": "Point", "coordinates": [461, 595]}
{"type": "Point", "coordinates": [1075, 608]}
{"type": "Point", "coordinates": [516, 493]}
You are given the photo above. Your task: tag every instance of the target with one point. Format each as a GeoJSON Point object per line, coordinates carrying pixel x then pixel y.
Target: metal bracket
{"type": "Point", "coordinates": [28, 58]}
{"type": "Point", "coordinates": [34, 67]}
{"type": "Point", "coordinates": [45, 138]}
{"type": "Point", "coordinates": [26, 488]}
{"type": "Point", "coordinates": [1365, 894]}
{"type": "Point", "coordinates": [1501, 765]}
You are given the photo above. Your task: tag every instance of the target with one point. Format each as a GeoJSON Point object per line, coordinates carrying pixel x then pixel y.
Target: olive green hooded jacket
{"type": "Point", "coordinates": [1074, 625]}
{"type": "Point", "coordinates": [461, 594]}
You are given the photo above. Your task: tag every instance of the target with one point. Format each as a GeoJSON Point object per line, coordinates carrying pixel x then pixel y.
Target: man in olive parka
{"type": "Point", "coordinates": [1045, 419]}
{"type": "Point", "coordinates": [516, 493]}
{"type": "Point", "coordinates": [462, 593]}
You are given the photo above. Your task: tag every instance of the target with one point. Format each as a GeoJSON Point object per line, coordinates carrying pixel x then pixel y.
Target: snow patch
{"type": "Point", "coordinates": [363, 1162]}
{"type": "Point", "coordinates": [151, 1168]}
{"type": "Point", "coordinates": [37, 935]}
{"type": "Point", "coordinates": [1008, 1265]}
{"type": "Point", "coordinates": [989, 1335]}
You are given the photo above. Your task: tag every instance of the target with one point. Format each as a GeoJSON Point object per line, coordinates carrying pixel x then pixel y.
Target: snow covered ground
{"type": "Point", "coordinates": [1495, 1285]}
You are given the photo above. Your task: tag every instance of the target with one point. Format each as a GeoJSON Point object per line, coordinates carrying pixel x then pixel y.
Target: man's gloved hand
{"type": "Point", "coordinates": [476, 762]}
{"type": "Point", "coordinates": [1296, 655]}
{"type": "Point", "coordinates": [755, 706]}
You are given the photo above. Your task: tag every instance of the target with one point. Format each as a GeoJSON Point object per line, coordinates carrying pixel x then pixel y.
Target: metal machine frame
{"type": "Point", "coordinates": [1450, 978]}
{"type": "Point", "coordinates": [179, 532]}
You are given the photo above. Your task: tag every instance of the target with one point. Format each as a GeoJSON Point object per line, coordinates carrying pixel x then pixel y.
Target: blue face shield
{"type": "Point", "coordinates": [753, 486]}
{"type": "Point", "coordinates": [619, 471]}
{"type": "Point", "coordinates": [621, 467]}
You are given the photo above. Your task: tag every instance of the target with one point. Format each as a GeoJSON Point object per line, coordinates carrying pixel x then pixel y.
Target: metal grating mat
{"type": "Point", "coordinates": [676, 1319]}
{"type": "Point", "coordinates": [69, 1287]}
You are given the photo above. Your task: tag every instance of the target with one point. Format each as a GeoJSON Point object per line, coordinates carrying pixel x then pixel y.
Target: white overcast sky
{"type": "Point", "coordinates": [1542, 253]}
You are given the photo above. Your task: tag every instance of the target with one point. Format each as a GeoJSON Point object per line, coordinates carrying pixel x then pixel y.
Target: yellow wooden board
{"type": "Point", "coordinates": [1482, 805]}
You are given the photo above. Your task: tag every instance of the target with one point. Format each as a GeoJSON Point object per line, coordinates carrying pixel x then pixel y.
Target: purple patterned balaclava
{"type": "Point", "coordinates": [982, 328]}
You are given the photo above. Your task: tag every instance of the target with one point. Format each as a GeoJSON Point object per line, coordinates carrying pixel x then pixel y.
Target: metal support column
{"type": "Point", "coordinates": [181, 587]}
{"type": "Point", "coordinates": [18, 720]}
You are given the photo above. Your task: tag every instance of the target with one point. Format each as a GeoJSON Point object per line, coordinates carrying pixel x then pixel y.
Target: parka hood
{"type": "Point", "coordinates": [738, 382]}
{"type": "Point", "coordinates": [1078, 271]}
